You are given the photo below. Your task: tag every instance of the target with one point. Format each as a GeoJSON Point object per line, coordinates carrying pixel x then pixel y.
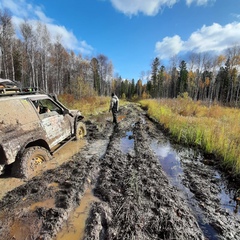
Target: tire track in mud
{"type": "Point", "coordinates": [63, 187]}
{"type": "Point", "coordinates": [136, 199]}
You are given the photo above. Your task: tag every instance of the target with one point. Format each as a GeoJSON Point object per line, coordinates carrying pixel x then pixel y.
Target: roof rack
{"type": "Point", "coordinates": [18, 91]}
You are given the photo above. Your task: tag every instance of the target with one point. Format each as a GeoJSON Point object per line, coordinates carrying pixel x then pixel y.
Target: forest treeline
{"type": "Point", "coordinates": [32, 58]}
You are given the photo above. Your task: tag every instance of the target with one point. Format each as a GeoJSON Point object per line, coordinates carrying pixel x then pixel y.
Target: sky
{"type": "Point", "coordinates": [132, 33]}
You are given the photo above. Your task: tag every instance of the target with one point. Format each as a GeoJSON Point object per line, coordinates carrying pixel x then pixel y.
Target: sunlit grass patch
{"type": "Point", "coordinates": [88, 105]}
{"type": "Point", "coordinates": [214, 128]}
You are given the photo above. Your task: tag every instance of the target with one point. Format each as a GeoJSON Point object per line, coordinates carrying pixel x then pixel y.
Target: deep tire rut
{"type": "Point", "coordinates": [136, 198]}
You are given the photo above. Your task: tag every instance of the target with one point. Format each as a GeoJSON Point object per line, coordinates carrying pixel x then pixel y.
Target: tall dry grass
{"type": "Point", "coordinates": [87, 106]}
{"type": "Point", "coordinates": [214, 128]}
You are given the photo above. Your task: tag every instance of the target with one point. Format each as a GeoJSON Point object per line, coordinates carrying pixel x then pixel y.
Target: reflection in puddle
{"type": "Point", "coordinates": [226, 196]}
{"type": "Point", "coordinates": [74, 228]}
{"type": "Point", "coordinates": [171, 165]}
{"type": "Point", "coordinates": [127, 143]}
{"type": "Point", "coordinates": [169, 161]}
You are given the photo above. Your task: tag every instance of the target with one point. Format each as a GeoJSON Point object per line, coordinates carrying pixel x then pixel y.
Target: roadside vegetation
{"type": "Point", "coordinates": [88, 105]}
{"type": "Point", "coordinates": [213, 128]}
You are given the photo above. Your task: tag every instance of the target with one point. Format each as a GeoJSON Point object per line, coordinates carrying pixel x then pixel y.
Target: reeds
{"type": "Point", "coordinates": [213, 128]}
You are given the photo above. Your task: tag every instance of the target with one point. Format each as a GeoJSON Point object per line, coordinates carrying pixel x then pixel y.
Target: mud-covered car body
{"type": "Point", "coordinates": [23, 124]}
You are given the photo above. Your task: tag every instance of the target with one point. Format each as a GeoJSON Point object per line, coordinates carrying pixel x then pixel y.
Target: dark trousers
{"type": "Point", "coordinates": [114, 113]}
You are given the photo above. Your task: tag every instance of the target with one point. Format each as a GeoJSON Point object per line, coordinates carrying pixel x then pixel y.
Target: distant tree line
{"type": "Point", "coordinates": [204, 77]}
{"type": "Point", "coordinates": [35, 60]}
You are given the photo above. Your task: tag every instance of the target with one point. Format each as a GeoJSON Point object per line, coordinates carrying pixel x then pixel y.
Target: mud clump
{"type": "Point", "coordinates": [136, 200]}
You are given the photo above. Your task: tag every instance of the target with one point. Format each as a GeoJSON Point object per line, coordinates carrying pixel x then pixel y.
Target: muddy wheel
{"type": "Point", "coordinates": [80, 131]}
{"type": "Point", "coordinates": [30, 162]}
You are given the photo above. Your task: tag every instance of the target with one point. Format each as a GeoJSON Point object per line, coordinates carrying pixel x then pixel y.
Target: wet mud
{"type": "Point", "coordinates": [140, 185]}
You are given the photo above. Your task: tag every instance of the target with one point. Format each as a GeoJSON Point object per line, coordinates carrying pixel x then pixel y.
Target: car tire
{"type": "Point", "coordinates": [29, 163]}
{"type": "Point", "coordinates": [80, 131]}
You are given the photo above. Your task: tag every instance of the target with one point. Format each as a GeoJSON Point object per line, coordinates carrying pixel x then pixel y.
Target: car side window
{"type": "Point", "coordinates": [46, 106]}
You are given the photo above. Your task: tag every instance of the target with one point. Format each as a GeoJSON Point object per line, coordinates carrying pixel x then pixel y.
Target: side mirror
{"type": "Point", "coordinates": [65, 111]}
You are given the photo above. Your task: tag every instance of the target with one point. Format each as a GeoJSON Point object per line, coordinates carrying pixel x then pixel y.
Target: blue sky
{"type": "Point", "coordinates": [131, 33]}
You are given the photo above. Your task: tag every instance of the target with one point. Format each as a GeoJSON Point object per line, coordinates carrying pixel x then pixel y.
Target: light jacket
{"type": "Point", "coordinates": [114, 104]}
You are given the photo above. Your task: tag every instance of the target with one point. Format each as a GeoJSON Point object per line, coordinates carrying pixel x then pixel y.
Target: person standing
{"type": "Point", "coordinates": [114, 105]}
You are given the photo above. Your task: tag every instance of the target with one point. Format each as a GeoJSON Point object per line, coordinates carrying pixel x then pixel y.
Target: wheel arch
{"type": "Point", "coordinates": [32, 143]}
{"type": "Point", "coordinates": [38, 142]}
{"type": "Point", "coordinates": [3, 157]}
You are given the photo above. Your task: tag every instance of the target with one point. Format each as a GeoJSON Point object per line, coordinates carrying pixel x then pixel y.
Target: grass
{"type": "Point", "coordinates": [214, 129]}
{"type": "Point", "coordinates": [88, 106]}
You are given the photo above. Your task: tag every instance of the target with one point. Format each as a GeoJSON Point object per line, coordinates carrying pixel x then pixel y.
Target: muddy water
{"type": "Point", "coordinates": [74, 228]}
{"type": "Point", "coordinates": [63, 155]}
{"type": "Point", "coordinates": [127, 143]}
{"type": "Point", "coordinates": [172, 163]}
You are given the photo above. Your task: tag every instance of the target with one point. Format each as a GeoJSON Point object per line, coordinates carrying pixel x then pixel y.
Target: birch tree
{"type": "Point", "coordinates": [30, 43]}
{"type": "Point", "coordinates": [6, 46]}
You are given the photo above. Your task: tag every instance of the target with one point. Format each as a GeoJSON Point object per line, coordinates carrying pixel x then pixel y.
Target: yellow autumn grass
{"type": "Point", "coordinates": [88, 106]}
{"type": "Point", "coordinates": [214, 128]}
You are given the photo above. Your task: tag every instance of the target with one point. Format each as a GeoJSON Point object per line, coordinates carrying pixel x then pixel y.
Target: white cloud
{"type": "Point", "coordinates": [169, 46]}
{"type": "Point", "coordinates": [236, 15]}
{"type": "Point", "coordinates": [150, 7]}
{"type": "Point", "coordinates": [41, 16]}
{"type": "Point", "coordinates": [199, 2]}
{"type": "Point", "coordinates": [22, 10]}
{"type": "Point", "coordinates": [68, 39]}
{"type": "Point", "coordinates": [215, 38]}
{"type": "Point", "coordinates": [147, 7]}
{"type": "Point", "coordinates": [18, 8]}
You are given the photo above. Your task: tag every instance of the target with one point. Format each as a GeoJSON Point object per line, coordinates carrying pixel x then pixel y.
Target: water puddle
{"type": "Point", "coordinates": [63, 155]}
{"type": "Point", "coordinates": [170, 161]}
{"type": "Point", "coordinates": [74, 228]}
{"type": "Point", "coordinates": [226, 196]}
{"type": "Point", "coordinates": [127, 143]}
{"type": "Point", "coordinates": [20, 230]}
{"type": "Point", "coordinates": [49, 203]}
{"type": "Point", "coordinates": [8, 184]}
{"type": "Point", "coordinates": [98, 149]}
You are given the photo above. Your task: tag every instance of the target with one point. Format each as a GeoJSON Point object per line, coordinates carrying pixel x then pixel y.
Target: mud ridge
{"type": "Point", "coordinates": [137, 200]}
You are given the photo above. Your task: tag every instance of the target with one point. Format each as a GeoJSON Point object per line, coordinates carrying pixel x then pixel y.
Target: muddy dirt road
{"type": "Point", "coordinates": [129, 182]}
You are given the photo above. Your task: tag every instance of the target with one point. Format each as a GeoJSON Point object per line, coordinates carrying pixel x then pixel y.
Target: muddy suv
{"type": "Point", "coordinates": [33, 126]}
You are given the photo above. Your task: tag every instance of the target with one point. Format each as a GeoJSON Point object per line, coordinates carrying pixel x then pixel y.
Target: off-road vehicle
{"type": "Point", "coordinates": [33, 126]}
